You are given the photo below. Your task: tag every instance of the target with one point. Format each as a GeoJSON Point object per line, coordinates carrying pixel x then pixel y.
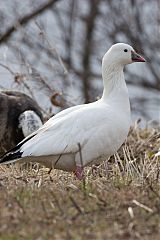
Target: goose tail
{"type": "Point", "coordinates": [15, 153]}
{"type": "Point", "coordinates": [10, 157]}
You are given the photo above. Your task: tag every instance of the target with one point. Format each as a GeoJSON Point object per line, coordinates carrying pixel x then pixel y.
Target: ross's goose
{"type": "Point", "coordinates": [19, 116]}
{"type": "Point", "coordinates": [99, 128]}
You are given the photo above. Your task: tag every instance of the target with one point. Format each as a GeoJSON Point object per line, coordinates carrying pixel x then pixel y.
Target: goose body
{"type": "Point", "coordinates": [99, 128]}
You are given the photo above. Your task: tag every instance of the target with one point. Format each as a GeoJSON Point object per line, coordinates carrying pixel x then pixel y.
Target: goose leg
{"type": "Point", "coordinates": [79, 172]}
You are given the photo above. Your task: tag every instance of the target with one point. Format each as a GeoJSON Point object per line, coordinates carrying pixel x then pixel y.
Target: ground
{"type": "Point", "coordinates": [118, 200]}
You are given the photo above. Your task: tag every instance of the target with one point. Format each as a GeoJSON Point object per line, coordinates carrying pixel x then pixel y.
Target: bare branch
{"type": "Point", "coordinates": [25, 19]}
{"type": "Point", "coordinates": [88, 44]}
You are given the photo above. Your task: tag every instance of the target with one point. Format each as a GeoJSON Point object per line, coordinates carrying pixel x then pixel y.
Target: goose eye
{"type": "Point", "coordinates": [125, 50]}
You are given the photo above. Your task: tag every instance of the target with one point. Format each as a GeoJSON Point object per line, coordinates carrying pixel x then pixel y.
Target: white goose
{"type": "Point", "coordinates": [99, 128]}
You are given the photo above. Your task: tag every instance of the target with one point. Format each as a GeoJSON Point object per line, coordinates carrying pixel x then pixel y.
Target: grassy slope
{"type": "Point", "coordinates": [37, 205]}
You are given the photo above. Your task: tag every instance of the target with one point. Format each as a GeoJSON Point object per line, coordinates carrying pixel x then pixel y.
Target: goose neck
{"type": "Point", "coordinates": [113, 80]}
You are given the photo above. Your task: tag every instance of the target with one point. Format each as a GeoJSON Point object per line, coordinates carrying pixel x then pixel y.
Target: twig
{"type": "Point", "coordinates": [152, 189]}
{"type": "Point", "coordinates": [6, 67]}
{"type": "Point", "coordinates": [60, 155]}
{"type": "Point", "coordinates": [57, 203]}
{"type": "Point", "coordinates": [53, 49]}
{"type": "Point", "coordinates": [76, 205]}
{"type": "Point", "coordinates": [131, 213]}
{"type": "Point", "coordinates": [50, 170]}
{"type": "Point", "coordinates": [142, 206]}
{"type": "Point", "coordinates": [81, 160]}
{"type": "Point", "coordinates": [20, 205]}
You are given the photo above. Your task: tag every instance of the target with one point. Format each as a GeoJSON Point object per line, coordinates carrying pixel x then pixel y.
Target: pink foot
{"type": "Point", "coordinates": [79, 172]}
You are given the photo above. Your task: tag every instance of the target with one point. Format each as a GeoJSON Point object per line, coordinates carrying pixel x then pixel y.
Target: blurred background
{"type": "Point", "coordinates": [52, 50]}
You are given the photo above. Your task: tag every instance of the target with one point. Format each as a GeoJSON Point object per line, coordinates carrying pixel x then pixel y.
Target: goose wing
{"type": "Point", "coordinates": [62, 134]}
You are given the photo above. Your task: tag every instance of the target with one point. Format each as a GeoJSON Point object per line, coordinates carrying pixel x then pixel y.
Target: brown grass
{"type": "Point", "coordinates": [120, 199]}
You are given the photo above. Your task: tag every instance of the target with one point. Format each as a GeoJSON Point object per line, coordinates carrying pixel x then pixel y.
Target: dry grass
{"type": "Point", "coordinates": [120, 199]}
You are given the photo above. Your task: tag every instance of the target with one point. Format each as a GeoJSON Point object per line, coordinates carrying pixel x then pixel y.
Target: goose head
{"type": "Point", "coordinates": [122, 54]}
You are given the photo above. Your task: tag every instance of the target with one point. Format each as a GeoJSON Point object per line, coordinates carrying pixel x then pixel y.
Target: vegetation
{"type": "Point", "coordinates": [119, 199]}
